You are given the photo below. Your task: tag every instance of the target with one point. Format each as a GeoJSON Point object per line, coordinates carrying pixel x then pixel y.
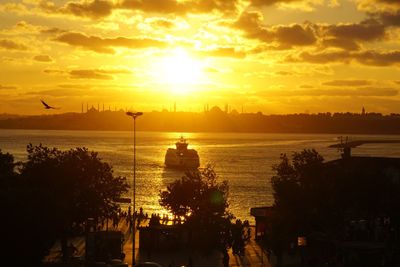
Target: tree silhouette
{"type": "Point", "coordinates": [53, 195]}
{"type": "Point", "coordinates": [297, 185]}
{"type": "Point", "coordinates": [203, 204]}
{"type": "Point", "coordinates": [197, 194]}
{"type": "Point", "coordinates": [316, 198]}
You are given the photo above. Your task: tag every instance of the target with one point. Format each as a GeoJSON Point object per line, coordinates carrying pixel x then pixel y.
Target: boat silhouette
{"type": "Point", "coordinates": [181, 157]}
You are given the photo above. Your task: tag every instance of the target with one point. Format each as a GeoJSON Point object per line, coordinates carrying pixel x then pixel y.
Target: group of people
{"type": "Point", "coordinates": [122, 215]}
{"type": "Point", "coordinates": [376, 229]}
{"type": "Point", "coordinates": [128, 216]}
{"type": "Point", "coordinates": [156, 219]}
{"type": "Point", "coordinates": [241, 233]}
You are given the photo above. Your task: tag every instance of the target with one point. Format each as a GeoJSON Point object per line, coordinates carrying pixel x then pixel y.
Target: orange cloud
{"type": "Point", "coordinates": [370, 57]}
{"type": "Point", "coordinates": [378, 5]}
{"type": "Point", "coordinates": [367, 30]}
{"type": "Point", "coordinates": [223, 52]}
{"type": "Point", "coordinates": [53, 30]}
{"type": "Point", "coordinates": [389, 18]}
{"type": "Point", "coordinates": [364, 91]}
{"type": "Point", "coordinates": [342, 43]}
{"type": "Point", "coordinates": [95, 74]}
{"type": "Point", "coordinates": [347, 83]}
{"type": "Point", "coordinates": [53, 71]}
{"type": "Point", "coordinates": [346, 36]}
{"type": "Point", "coordinates": [97, 9]}
{"type": "Point", "coordinates": [375, 58]}
{"type": "Point", "coordinates": [11, 45]}
{"type": "Point", "coordinates": [180, 7]}
{"type": "Point", "coordinates": [5, 87]}
{"type": "Point", "coordinates": [286, 36]}
{"type": "Point", "coordinates": [304, 5]}
{"type": "Point", "coordinates": [163, 23]}
{"type": "Point", "coordinates": [106, 45]}
{"type": "Point", "coordinates": [90, 74]}
{"type": "Point", "coordinates": [261, 3]}
{"type": "Point", "coordinates": [43, 58]}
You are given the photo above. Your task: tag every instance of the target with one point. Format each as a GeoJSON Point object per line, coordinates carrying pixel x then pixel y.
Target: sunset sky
{"type": "Point", "coordinates": [274, 56]}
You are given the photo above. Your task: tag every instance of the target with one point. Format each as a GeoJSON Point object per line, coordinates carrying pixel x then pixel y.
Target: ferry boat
{"type": "Point", "coordinates": [181, 157]}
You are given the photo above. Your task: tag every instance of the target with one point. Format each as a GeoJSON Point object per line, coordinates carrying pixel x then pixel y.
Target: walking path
{"type": "Point", "coordinates": [253, 256]}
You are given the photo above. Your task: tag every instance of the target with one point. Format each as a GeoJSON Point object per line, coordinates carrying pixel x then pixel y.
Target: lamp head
{"type": "Point", "coordinates": [134, 114]}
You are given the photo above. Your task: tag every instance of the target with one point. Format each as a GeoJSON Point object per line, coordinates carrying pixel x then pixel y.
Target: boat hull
{"type": "Point", "coordinates": [188, 159]}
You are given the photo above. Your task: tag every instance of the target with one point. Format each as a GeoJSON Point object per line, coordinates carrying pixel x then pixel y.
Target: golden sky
{"type": "Point", "coordinates": [274, 56]}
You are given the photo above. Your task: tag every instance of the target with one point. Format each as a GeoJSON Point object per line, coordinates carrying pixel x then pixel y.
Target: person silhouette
{"type": "Point", "coordinates": [225, 259]}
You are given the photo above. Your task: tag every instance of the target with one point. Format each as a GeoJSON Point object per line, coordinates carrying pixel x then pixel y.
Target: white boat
{"type": "Point", "coordinates": [181, 157]}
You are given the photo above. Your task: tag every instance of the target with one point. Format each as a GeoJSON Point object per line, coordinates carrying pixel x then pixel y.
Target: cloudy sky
{"type": "Point", "coordinates": [274, 56]}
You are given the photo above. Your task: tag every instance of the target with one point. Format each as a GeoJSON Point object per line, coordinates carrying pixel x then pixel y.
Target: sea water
{"type": "Point", "coordinates": [245, 160]}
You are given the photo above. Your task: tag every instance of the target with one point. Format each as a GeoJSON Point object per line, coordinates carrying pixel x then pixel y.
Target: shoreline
{"type": "Point", "coordinates": [338, 134]}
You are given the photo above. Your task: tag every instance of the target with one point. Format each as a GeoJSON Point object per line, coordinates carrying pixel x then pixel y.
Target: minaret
{"type": "Point", "coordinates": [363, 111]}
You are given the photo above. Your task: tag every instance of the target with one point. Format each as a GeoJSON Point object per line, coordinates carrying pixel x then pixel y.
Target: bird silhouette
{"type": "Point", "coordinates": [46, 106]}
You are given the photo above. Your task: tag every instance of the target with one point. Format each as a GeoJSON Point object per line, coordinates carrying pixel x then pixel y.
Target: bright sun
{"type": "Point", "coordinates": [179, 71]}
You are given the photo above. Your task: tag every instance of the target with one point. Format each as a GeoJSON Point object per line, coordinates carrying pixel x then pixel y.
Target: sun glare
{"type": "Point", "coordinates": [180, 72]}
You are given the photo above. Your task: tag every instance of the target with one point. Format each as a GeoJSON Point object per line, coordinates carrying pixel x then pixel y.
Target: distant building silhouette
{"type": "Point", "coordinates": [216, 120]}
{"type": "Point", "coordinates": [92, 109]}
{"type": "Point", "coordinates": [216, 110]}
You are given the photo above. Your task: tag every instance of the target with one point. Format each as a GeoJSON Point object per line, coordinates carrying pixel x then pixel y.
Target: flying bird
{"type": "Point", "coordinates": [46, 106]}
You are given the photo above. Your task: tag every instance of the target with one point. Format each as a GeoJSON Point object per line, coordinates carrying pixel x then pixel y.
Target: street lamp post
{"type": "Point", "coordinates": [134, 115]}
